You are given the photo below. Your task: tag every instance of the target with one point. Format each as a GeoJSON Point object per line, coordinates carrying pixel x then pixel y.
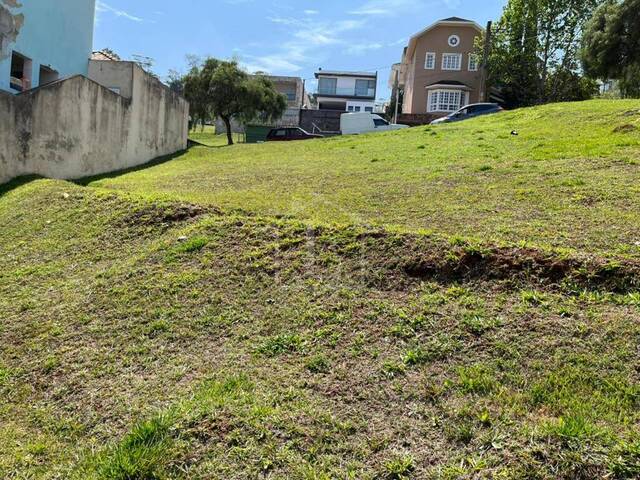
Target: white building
{"type": "Point", "coordinates": [346, 91]}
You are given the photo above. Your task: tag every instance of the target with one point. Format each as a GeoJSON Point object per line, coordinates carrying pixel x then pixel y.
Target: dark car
{"type": "Point", "coordinates": [470, 111]}
{"type": "Point", "coordinates": [289, 134]}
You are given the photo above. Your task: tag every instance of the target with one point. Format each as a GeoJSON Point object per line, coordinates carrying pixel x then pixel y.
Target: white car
{"type": "Point", "coordinates": [364, 122]}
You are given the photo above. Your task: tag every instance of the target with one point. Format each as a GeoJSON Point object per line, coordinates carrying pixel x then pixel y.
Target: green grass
{"type": "Point", "coordinates": [210, 138]}
{"type": "Point", "coordinates": [143, 337]}
{"type": "Point", "coordinates": [566, 181]}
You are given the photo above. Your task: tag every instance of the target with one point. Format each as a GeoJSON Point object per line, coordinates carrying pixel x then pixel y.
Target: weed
{"type": "Point", "coordinates": [477, 379]}
{"type": "Point", "coordinates": [393, 369]}
{"type": "Point", "coordinates": [142, 454]}
{"type": "Point", "coordinates": [192, 245]}
{"type": "Point", "coordinates": [281, 344]}
{"type": "Point", "coordinates": [460, 432]}
{"type": "Point", "coordinates": [317, 364]}
{"type": "Point", "coordinates": [572, 429]}
{"type": "Point", "coordinates": [399, 467]}
{"type": "Point", "coordinates": [475, 323]}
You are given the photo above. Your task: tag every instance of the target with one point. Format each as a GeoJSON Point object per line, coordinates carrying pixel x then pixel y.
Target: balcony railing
{"type": "Point", "coordinates": [348, 92]}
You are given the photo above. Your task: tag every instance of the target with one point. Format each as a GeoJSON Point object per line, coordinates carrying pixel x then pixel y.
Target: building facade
{"type": "Point", "coordinates": [346, 91]}
{"type": "Point", "coordinates": [440, 72]}
{"type": "Point", "coordinates": [43, 41]}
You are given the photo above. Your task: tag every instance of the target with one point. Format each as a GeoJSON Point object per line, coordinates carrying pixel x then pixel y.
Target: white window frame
{"type": "Point", "coordinates": [475, 59]}
{"type": "Point", "coordinates": [431, 56]}
{"type": "Point", "coordinates": [444, 62]}
{"type": "Point", "coordinates": [443, 100]}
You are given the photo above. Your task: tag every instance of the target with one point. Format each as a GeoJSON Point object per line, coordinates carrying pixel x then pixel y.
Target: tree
{"type": "Point", "coordinates": [391, 108]}
{"type": "Point", "coordinates": [196, 92]}
{"type": "Point", "coordinates": [221, 88]}
{"type": "Point", "coordinates": [175, 81]}
{"type": "Point", "coordinates": [535, 51]}
{"type": "Point", "coordinates": [611, 45]}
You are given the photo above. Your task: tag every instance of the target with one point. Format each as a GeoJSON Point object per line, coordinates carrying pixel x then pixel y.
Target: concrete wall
{"type": "Point", "coordinates": [53, 33]}
{"type": "Point", "coordinates": [116, 76]}
{"type": "Point", "coordinates": [76, 128]}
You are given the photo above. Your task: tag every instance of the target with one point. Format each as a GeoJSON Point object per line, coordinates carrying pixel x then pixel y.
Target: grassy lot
{"type": "Point", "coordinates": [568, 180]}
{"type": "Point", "coordinates": [147, 333]}
{"type": "Point", "coordinates": [157, 340]}
{"type": "Point", "coordinates": [208, 137]}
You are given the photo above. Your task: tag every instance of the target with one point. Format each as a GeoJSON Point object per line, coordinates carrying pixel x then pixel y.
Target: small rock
{"type": "Point", "coordinates": [65, 195]}
{"type": "Point", "coordinates": [637, 244]}
{"type": "Point", "coordinates": [182, 239]}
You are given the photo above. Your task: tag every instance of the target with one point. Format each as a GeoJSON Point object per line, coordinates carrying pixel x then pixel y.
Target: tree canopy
{"type": "Point", "coordinates": [221, 88]}
{"type": "Point", "coordinates": [611, 45]}
{"type": "Point", "coordinates": [535, 51]}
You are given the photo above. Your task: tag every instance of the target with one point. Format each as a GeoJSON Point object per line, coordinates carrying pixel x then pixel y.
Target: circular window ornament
{"type": "Point", "coordinates": [454, 41]}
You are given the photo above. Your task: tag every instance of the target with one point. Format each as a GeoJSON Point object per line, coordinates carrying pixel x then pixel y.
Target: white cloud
{"type": "Point", "coordinates": [270, 64]}
{"type": "Point", "coordinates": [102, 7]}
{"type": "Point", "coordinates": [385, 7]}
{"type": "Point", "coordinates": [360, 48]}
{"type": "Point", "coordinates": [308, 40]}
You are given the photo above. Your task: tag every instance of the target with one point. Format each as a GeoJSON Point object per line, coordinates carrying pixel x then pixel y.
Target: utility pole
{"type": "Point", "coordinates": [484, 91]}
{"type": "Point", "coordinates": [397, 86]}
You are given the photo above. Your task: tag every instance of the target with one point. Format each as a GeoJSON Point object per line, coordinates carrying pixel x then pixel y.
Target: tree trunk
{"type": "Point", "coordinates": [227, 124]}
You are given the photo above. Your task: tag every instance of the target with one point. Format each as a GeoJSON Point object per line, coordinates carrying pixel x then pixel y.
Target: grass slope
{"type": "Point", "coordinates": [569, 180]}
{"type": "Point", "coordinates": [142, 339]}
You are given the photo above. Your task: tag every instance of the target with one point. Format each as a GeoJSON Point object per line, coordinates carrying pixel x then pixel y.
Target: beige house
{"type": "Point", "coordinates": [439, 72]}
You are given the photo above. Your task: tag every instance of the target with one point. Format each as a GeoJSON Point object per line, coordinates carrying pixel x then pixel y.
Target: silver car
{"type": "Point", "coordinates": [470, 111]}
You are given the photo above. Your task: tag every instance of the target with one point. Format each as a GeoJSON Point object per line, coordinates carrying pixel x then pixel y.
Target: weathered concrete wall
{"type": "Point", "coordinates": [76, 128]}
{"type": "Point", "coordinates": [116, 76]}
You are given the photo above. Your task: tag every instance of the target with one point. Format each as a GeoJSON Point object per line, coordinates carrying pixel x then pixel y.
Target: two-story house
{"type": "Point", "coordinates": [440, 72]}
{"type": "Point", "coordinates": [41, 42]}
{"type": "Point", "coordinates": [346, 91]}
{"type": "Point", "coordinates": [294, 89]}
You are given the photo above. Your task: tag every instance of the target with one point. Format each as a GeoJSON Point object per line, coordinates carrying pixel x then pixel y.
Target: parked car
{"type": "Point", "coordinates": [364, 122]}
{"type": "Point", "coordinates": [289, 134]}
{"type": "Point", "coordinates": [470, 111]}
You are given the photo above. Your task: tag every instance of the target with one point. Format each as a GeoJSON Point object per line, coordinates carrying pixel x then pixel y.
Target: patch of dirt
{"type": "Point", "coordinates": [164, 216]}
{"type": "Point", "coordinates": [528, 265]}
{"type": "Point", "coordinates": [406, 257]}
{"type": "Point", "coordinates": [628, 128]}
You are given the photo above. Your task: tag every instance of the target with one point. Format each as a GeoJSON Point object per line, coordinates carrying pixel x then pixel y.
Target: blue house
{"type": "Point", "coordinates": [44, 40]}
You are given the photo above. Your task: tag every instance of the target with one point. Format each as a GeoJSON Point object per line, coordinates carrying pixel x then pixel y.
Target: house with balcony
{"type": "Point", "coordinates": [346, 91]}
{"type": "Point", "coordinates": [41, 42]}
{"type": "Point", "coordinates": [440, 71]}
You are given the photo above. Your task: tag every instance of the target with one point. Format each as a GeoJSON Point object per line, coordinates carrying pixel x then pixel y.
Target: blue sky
{"type": "Point", "coordinates": [282, 37]}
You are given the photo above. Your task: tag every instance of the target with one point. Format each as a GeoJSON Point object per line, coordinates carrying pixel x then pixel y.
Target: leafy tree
{"type": "Point", "coordinates": [611, 45]}
{"type": "Point", "coordinates": [223, 89]}
{"type": "Point", "coordinates": [196, 92]}
{"type": "Point", "coordinates": [535, 51]}
{"type": "Point", "coordinates": [175, 81]}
